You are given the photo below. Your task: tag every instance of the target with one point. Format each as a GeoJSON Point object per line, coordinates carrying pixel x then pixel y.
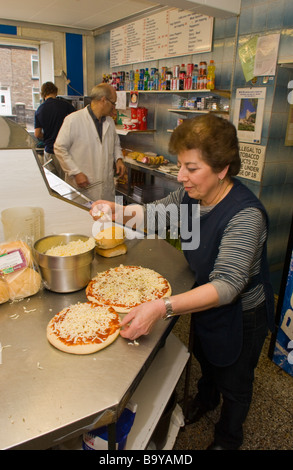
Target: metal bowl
{"type": "Point", "coordinates": [63, 273]}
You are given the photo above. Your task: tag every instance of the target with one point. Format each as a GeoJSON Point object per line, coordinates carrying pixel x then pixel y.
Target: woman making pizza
{"type": "Point", "coordinates": [231, 301]}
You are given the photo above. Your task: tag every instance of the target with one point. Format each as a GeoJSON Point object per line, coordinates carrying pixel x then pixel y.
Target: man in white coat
{"type": "Point", "coordinates": [88, 147]}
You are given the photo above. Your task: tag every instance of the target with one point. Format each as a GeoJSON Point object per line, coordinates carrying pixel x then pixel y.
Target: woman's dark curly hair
{"type": "Point", "coordinates": [214, 136]}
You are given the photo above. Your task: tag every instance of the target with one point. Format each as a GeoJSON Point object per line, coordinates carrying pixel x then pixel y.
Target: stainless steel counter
{"type": "Point", "coordinates": [47, 395]}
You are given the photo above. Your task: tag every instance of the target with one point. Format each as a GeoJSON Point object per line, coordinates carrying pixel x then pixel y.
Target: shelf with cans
{"type": "Point", "coordinates": [190, 77]}
{"type": "Point", "coordinates": [198, 81]}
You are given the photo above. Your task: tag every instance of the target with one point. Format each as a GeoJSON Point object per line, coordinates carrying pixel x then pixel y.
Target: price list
{"type": "Point", "coordinates": [170, 33]}
{"type": "Point", "coordinates": [156, 32]}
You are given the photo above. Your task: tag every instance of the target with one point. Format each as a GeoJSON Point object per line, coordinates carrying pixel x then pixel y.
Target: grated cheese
{"type": "Point", "coordinates": [128, 285]}
{"type": "Point", "coordinates": [75, 247]}
{"type": "Point", "coordinates": [83, 323]}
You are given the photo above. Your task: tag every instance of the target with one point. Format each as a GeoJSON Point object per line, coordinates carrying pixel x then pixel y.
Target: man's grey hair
{"type": "Point", "coordinates": [103, 89]}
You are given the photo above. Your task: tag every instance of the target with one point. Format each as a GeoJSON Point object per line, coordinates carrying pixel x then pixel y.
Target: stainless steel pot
{"type": "Point", "coordinates": [63, 273]}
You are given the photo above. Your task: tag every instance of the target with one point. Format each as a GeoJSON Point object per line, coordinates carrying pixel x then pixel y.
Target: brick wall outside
{"type": "Point", "coordinates": [16, 73]}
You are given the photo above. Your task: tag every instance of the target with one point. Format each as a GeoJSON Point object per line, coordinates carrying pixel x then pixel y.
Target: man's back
{"type": "Point", "coordinates": [50, 116]}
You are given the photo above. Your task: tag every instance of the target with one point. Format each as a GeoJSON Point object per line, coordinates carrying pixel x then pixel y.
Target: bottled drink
{"type": "Point", "coordinates": [126, 81]}
{"type": "Point", "coordinates": [146, 79]}
{"type": "Point", "coordinates": [150, 82]}
{"type": "Point", "coordinates": [162, 85]}
{"type": "Point", "coordinates": [194, 77]}
{"type": "Point", "coordinates": [203, 82]}
{"type": "Point", "coordinates": [156, 80]}
{"type": "Point", "coordinates": [211, 75]}
{"type": "Point", "coordinates": [136, 79]}
{"type": "Point", "coordinates": [168, 80]}
{"type": "Point", "coordinates": [202, 68]}
{"type": "Point", "coordinates": [176, 71]}
{"type": "Point", "coordinates": [182, 75]}
{"type": "Point", "coordinates": [200, 82]}
{"type": "Point", "coordinates": [189, 70]}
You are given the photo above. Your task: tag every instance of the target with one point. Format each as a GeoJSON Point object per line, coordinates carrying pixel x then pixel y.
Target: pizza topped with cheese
{"type": "Point", "coordinates": [125, 287]}
{"type": "Point", "coordinates": [83, 328]}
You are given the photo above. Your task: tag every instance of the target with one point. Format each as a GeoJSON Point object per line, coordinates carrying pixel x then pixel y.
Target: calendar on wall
{"type": "Point", "coordinates": [166, 34]}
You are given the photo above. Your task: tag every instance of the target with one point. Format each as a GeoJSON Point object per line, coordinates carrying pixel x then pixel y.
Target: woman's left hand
{"type": "Point", "coordinates": [140, 320]}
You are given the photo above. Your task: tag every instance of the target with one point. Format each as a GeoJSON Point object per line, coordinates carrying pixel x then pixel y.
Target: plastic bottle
{"type": "Point", "coordinates": [146, 78]}
{"type": "Point", "coordinates": [202, 68]}
{"type": "Point", "coordinates": [131, 80]}
{"type": "Point", "coordinates": [194, 77]}
{"type": "Point", "coordinates": [168, 80]}
{"type": "Point", "coordinates": [136, 79]}
{"type": "Point", "coordinates": [211, 75]}
{"type": "Point", "coordinates": [182, 75]}
{"type": "Point", "coordinates": [150, 82]}
{"type": "Point", "coordinates": [162, 85]}
{"type": "Point", "coordinates": [127, 82]}
{"type": "Point", "coordinates": [156, 80]}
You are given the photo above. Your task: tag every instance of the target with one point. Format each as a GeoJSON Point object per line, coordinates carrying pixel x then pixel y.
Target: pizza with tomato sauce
{"type": "Point", "coordinates": [83, 328]}
{"type": "Point", "coordinates": [125, 287]}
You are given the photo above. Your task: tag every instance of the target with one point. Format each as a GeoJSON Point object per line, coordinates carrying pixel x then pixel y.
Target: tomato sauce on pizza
{"type": "Point", "coordinates": [83, 328]}
{"type": "Point", "coordinates": [125, 287]}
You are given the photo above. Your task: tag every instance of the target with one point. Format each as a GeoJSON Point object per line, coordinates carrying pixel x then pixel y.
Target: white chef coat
{"type": "Point", "coordinates": [79, 150]}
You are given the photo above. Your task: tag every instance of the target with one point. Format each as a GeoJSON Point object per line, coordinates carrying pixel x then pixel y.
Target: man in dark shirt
{"type": "Point", "coordinates": [49, 118]}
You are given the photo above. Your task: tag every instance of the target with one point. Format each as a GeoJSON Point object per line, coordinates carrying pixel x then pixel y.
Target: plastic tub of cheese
{"type": "Point", "coordinates": [65, 261]}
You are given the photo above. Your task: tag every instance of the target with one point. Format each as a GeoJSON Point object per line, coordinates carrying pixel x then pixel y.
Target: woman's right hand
{"type": "Point", "coordinates": [106, 211]}
{"type": "Point", "coordinates": [103, 210]}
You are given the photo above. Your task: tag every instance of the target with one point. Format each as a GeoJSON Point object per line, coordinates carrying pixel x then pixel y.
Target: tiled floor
{"type": "Point", "coordinates": [269, 425]}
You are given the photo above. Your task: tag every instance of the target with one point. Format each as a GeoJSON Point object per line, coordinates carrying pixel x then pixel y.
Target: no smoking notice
{"type": "Point", "coordinates": [252, 161]}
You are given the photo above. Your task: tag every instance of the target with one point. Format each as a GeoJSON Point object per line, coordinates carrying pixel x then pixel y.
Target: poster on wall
{"type": "Point", "coordinates": [283, 353]}
{"type": "Point", "coordinates": [258, 56]}
{"type": "Point", "coordinates": [252, 161]}
{"type": "Point", "coordinates": [248, 113]}
{"type": "Point", "coordinates": [247, 55]}
{"type": "Point", "coordinates": [170, 33]}
{"type": "Point", "coordinates": [266, 55]}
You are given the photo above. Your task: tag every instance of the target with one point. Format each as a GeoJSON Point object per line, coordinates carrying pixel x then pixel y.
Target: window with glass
{"type": "Point", "coordinates": [35, 66]}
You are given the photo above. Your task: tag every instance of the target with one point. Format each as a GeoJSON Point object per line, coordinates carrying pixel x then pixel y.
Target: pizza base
{"type": "Point", "coordinates": [123, 310]}
{"type": "Point", "coordinates": [79, 349]}
{"type": "Point", "coordinates": [119, 308]}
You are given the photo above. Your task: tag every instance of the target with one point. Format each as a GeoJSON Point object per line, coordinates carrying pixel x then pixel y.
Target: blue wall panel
{"type": "Point", "coordinates": [6, 29]}
{"type": "Point", "coordinates": [74, 64]}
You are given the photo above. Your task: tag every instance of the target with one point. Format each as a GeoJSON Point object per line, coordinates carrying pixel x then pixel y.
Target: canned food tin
{"type": "Point", "coordinates": [175, 84]}
{"type": "Point", "coordinates": [176, 71]}
{"type": "Point", "coordinates": [188, 83]}
{"type": "Point", "coordinates": [202, 68]}
{"type": "Point", "coordinates": [189, 69]}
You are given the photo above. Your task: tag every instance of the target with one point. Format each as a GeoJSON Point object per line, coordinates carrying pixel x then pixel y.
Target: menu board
{"type": "Point", "coordinates": [170, 33]}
